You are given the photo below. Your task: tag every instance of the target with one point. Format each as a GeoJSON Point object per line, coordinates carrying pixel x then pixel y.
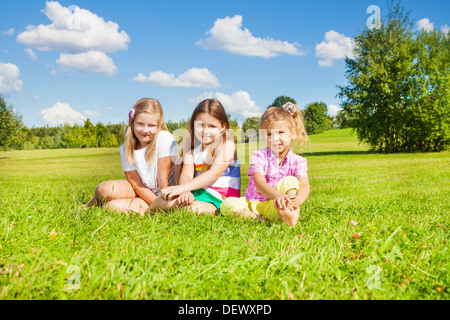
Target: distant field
{"type": "Point", "coordinates": [398, 250]}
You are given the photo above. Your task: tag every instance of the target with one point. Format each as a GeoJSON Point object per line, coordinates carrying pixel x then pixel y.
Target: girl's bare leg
{"type": "Point", "coordinates": [112, 190]}
{"type": "Point", "coordinates": [247, 214]}
{"type": "Point", "coordinates": [128, 206]}
{"type": "Point", "coordinates": [203, 208]}
{"type": "Point", "coordinates": [290, 217]}
{"type": "Point", "coordinates": [162, 204]}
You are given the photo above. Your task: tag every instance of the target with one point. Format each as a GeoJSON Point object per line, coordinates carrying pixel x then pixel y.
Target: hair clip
{"type": "Point", "coordinates": [289, 107]}
{"type": "Point", "coordinates": [131, 114]}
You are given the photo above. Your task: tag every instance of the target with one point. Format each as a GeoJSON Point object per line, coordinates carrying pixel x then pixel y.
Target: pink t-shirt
{"type": "Point", "coordinates": [264, 161]}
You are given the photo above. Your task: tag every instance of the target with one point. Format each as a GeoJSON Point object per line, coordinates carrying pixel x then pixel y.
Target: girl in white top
{"type": "Point", "coordinates": [146, 159]}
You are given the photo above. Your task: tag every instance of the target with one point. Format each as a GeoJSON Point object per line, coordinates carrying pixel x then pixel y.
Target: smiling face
{"type": "Point", "coordinates": [207, 128]}
{"type": "Point", "coordinates": [279, 137]}
{"type": "Point", "coordinates": [145, 128]}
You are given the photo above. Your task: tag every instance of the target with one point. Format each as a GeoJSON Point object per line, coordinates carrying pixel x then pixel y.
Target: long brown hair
{"type": "Point", "coordinates": [131, 143]}
{"type": "Point", "coordinates": [214, 108]}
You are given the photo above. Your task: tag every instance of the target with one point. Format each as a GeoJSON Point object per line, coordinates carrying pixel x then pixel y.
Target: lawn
{"type": "Point", "coordinates": [51, 249]}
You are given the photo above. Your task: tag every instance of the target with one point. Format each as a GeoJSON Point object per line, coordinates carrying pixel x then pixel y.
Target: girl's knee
{"type": "Point", "coordinates": [288, 183]}
{"type": "Point", "coordinates": [103, 190]}
{"type": "Point", "coordinates": [233, 205]}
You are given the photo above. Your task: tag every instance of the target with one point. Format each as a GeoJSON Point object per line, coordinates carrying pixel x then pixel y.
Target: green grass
{"type": "Point", "coordinates": [400, 202]}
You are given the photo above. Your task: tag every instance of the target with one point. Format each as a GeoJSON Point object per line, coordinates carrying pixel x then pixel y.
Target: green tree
{"type": "Point", "coordinates": [10, 126]}
{"type": "Point", "coordinates": [250, 129]}
{"type": "Point", "coordinates": [280, 101]}
{"type": "Point", "coordinates": [316, 118]}
{"type": "Point", "coordinates": [236, 129]}
{"type": "Point", "coordinates": [110, 141]}
{"type": "Point", "coordinates": [172, 126]}
{"type": "Point", "coordinates": [341, 120]}
{"type": "Point", "coordinates": [100, 130]}
{"type": "Point", "coordinates": [118, 130]}
{"type": "Point", "coordinates": [398, 94]}
{"type": "Point", "coordinates": [89, 134]}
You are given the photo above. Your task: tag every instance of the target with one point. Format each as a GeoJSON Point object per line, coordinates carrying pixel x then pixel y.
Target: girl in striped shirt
{"type": "Point", "coordinates": [210, 170]}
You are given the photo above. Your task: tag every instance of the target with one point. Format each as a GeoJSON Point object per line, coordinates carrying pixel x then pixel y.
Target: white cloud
{"type": "Point", "coordinates": [445, 29]}
{"type": "Point", "coordinates": [335, 47]}
{"type": "Point", "coordinates": [62, 113]}
{"type": "Point", "coordinates": [53, 72]}
{"type": "Point", "coordinates": [9, 79]}
{"type": "Point", "coordinates": [36, 98]}
{"type": "Point", "coordinates": [31, 53]}
{"type": "Point", "coordinates": [90, 62]}
{"type": "Point", "coordinates": [192, 78]}
{"type": "Point", "coordinates": [85, 37]}
{"type": "Point", "coordinates": [238, 103]}
{"type": "Point", "coordinates": [75, 30]}
{"type": "Point", "coordinates": [9, 32]}
{"type": "Point", "coordinates": [227, 34]}
{"type": "Point", "coordinates": [425, 25]}
{"type": "Point", "coordinates": [94, 114]}
{"type": "Point", "coordinates": [333, 110]}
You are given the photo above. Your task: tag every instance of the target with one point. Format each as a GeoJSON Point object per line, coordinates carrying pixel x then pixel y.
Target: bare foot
{"type": "Point", "coordinates": [290, 217]}
{"type": "Point", "coordinates": [91, 202]}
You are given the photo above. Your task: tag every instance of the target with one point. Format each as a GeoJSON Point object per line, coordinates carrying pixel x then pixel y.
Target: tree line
{"type": "Point", "coordinates": [15, 135]}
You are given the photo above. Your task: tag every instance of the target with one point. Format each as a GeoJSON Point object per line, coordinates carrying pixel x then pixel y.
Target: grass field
{"type": "Point", "coordinates": [398, 250]}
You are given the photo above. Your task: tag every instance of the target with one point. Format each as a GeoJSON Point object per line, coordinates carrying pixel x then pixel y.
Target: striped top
{"type": "Point", "coordinates": [228, 184]}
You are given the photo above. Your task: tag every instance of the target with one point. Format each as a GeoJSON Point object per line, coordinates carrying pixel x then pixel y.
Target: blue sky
{"type": "Point", "coordinates": [65, 61]}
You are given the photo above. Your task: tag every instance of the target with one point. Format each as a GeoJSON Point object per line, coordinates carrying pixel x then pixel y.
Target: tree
{"type": "Point", "coordinates": [398, 94]}
{"type": "Point", "coordinates": [280, 101]}
{"type": "Point", "coordinates": [89, 134]}
{"type": "Point", "coordinates": [316, 118]}
{"type": "Point", "coordinates": [10, 126]}
{"type": "Point", "coordinates": [110, 141]}
{"type": "Point", "coordinates": [236, 129]}
{"type": "Point", "coordinates": [250, 129]}
{"type": "Point", "coordinates": [341, 120]}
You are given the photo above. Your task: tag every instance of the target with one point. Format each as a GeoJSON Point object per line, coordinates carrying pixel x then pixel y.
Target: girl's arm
{"type": "Point", "coordinates": [221, 162]}
{"type": "Point", "coordinates": [187, 173]}
{"type": "Point", "coordinates": [135, 180]}
{"type": "Point", "coordinates": [304, 191]}
{"type": "Point", "coordinates": [302, 194]}
{"type": "Point", "coordinates": [164, 166]}
{"type": "Point", "coordinates": [269, 192]}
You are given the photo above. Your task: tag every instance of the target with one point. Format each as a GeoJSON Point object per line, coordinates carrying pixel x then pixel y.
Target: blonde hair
{"type": "Point", "coordinates": [295, 121]}
{"type": "Point", "coordinates": [215, 109]}
{"type": "Point", "coordinates": [145, 105]}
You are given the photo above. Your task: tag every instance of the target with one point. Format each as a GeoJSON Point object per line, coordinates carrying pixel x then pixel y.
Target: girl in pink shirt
{"type": "Point", "coordinates": [278, 183]}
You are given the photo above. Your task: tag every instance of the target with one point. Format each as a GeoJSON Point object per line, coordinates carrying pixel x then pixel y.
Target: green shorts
{"type": "Point", "coordinates": [205, 196]}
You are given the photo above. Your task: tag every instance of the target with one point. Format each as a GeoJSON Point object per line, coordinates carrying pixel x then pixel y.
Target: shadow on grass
{"type": "Point", "coordinates": [337, 153]}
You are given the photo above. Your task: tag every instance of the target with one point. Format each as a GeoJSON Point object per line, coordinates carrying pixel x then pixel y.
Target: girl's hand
{"type": "Point", "coordinates": [282, 201]}
{"type": "Point", "coordinates": [294, 202]}
{"type": "Point", "coordinates": [292, 194]}
{"type": "Point", "coordinates": [185, 199]}
{"type": "Point", "coordinates": [171, 192]}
